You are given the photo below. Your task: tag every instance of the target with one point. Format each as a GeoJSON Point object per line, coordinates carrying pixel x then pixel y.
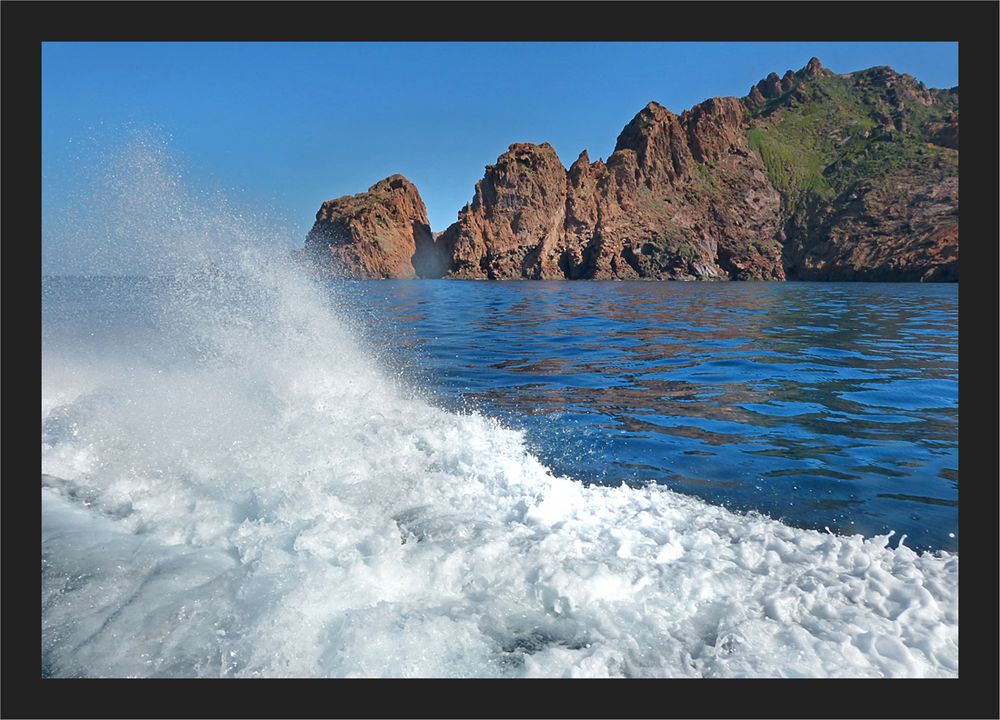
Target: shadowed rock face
{"type": "Point", "coordinates": [381, 233]}
{"type": "Point", "coordinates": [811, 176]}
{"type": "Point", "coordinates": [906, 230]}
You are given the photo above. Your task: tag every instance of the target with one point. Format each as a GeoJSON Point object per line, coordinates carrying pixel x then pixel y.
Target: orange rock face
{"type": "Point", "coordinates": [680, 197]}
{"type": "Point", "coordinates": [848, 177]}
{"type": "Point", "coordinates": [381, 233]}
{"type": "Point", "coordinates": [513, 227]}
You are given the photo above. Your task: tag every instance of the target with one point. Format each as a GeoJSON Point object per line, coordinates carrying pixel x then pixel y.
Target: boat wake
{"type": "Point", "coordinates": [241, 487]}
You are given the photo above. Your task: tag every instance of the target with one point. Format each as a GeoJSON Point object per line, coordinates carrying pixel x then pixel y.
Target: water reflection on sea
{"type": "Point", "coordinates": [825, 404]}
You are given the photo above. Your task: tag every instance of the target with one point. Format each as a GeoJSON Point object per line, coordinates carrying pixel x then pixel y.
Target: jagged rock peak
{"type": "Point", "coordinates": [814, 68]}
{"type": "Point", "coordinates": [691, 196]}
{"type": "Point", "coordinates": [714, 127]}
{"type": "Point", "coordinates": [352, 204]}
{"type": "Point", "coordinates": [657, 141]}
{"type": "Point", "coordinates": [772, 87]}
{"type": "Point", "coordinates": [581, 163]}
{"type": "Point", "coordinates": [652, 114]}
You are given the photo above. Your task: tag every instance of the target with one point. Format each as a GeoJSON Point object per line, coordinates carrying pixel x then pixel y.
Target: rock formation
{"type": "Point", "coordinates": [868, 168]}
{"type": "Point", "coordinates": [381, 233]}
{"type": "Point", "coordinates": [680, 197]}
{"type": "Point", "coordinates": [514, 225]}
{"type": "Point", "coordinates": [811, 176]}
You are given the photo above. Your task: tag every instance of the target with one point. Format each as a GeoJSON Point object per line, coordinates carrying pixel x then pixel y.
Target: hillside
{"type": "Point", "coordinates": [812, 176]}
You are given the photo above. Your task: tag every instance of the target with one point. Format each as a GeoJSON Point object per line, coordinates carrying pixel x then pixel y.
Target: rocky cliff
{"type": "Point", "coordinates": [867, 165]}
{"type": "Point", "coordinates": [381, 233]}
{"type": "Point", "coordinates": [812, 175]}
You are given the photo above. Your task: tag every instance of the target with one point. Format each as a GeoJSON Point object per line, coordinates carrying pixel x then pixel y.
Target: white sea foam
{"type": "Point", "coordinates": [261, 497]}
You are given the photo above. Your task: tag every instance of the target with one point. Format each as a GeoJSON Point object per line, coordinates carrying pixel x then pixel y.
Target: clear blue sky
{"type": "Point", "coordinates": [288, 125]}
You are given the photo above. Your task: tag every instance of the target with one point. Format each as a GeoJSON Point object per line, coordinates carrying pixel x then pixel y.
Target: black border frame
{"type": "Point", "coordinates": [972, 24]}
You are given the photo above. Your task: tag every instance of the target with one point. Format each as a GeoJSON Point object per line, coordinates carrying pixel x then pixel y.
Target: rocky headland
{"type": "Point", "coordinates": [811, 176]}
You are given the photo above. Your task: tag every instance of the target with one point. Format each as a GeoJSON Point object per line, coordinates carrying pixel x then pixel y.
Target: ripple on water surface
{"type": "Point", "coordinates": [713, 388]}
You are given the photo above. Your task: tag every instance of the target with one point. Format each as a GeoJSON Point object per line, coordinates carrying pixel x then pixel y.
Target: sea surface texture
{"type": "Point", "coordinates": [478, 480]}
{"type": "Point", "coordinates": [251, 472]}
{"type": "Point", "coordinates": [828, 405]}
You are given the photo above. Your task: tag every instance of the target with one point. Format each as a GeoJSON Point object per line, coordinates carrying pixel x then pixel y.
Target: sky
{"type": "Point", "coordinates": [285, 126]}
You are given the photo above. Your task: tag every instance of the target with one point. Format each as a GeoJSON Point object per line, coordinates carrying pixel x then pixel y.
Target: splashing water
{"type": "Point", "coordinates": [240, 487]}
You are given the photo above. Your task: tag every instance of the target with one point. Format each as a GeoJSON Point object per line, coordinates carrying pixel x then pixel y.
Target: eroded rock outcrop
{"type": "Point", "coordinates": [381, 233]}
{"type": "Point", "coordinates": [812, 175]}
{"type": "Point", "coordinates": [680, 197]}
{"type": "Point", "coordinates": [513, 226]}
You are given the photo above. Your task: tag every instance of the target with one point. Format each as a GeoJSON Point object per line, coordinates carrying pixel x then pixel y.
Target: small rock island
{"type": "Point", "coordinates": [811, 176]}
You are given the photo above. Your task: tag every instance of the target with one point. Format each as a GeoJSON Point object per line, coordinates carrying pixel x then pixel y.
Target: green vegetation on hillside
{"type": "Point", "coordinates": [829, 132]}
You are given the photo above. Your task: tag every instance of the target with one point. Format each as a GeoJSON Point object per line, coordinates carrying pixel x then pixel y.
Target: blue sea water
{"type": "Point", "coordinates": [250, 472]}
{"type": "Point", "coordinates": [263, 476]}
{"type": "Point", "coordinates": [826, 405]}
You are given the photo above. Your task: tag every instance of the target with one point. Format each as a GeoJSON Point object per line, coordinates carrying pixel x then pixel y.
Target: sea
{"type": "Point", "coordinates": [251, 471]}
{"type": "Point", "coordinates": [826, 405]}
